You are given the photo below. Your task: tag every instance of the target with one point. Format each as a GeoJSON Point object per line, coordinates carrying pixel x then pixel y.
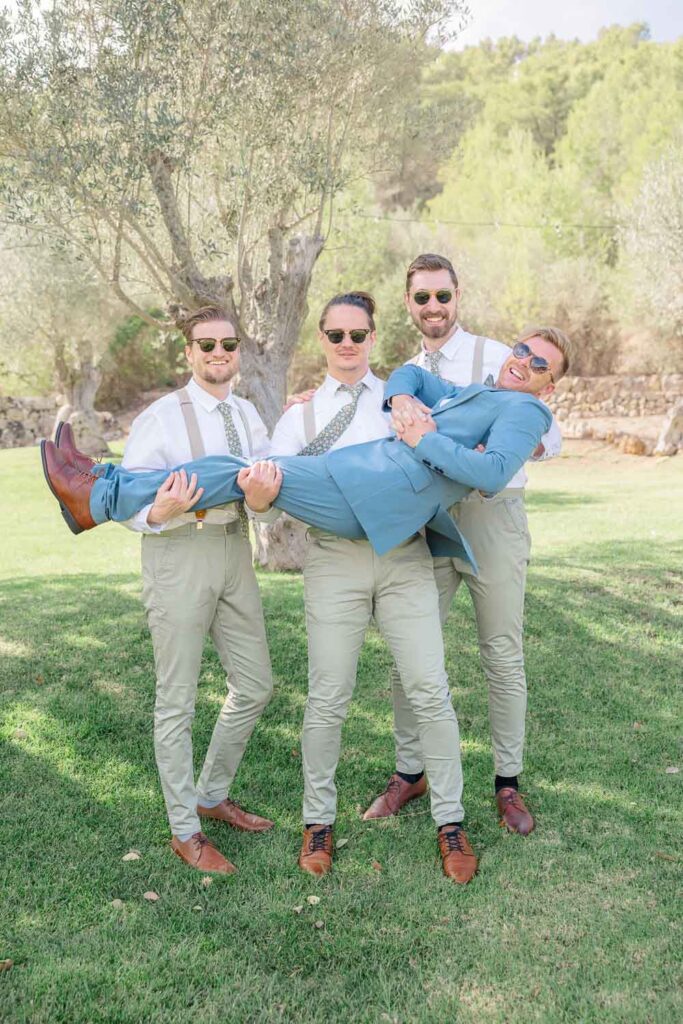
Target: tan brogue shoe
{"type": "Point", "coordinates": [199, 853]}
{"type": "Point", "coordinates": [513, 813]}
{"type": "Point", "coordinates": [230, 811]}
{"type": "Point", "coordinates": [316, 850]}
{"type": "Point", "coordinates": [65, 441]}
{"type": "Point", "coordinates": [457, 856]}
{"type": "Point", "coordinates": [70, 486]}
{"type": "Point", "coordinates": [397, 793]}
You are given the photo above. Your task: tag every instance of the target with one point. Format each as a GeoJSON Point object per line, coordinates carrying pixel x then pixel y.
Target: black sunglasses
{"type": "Point", "coordinates": [209, 344]}
{"type": "Point", "coordinates": [357, 336]}
{"type": "Point", "coordinates": [537, 364]}
{"type": "Point", "coordinates": [443, 296]}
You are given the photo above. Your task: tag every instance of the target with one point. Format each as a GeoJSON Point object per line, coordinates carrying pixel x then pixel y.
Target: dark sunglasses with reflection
{"type": "Point", "coordinates": [443, 296]}
{"type": "Point", "coordinates": [209, 344]}
{"type": "Point", "coordinates": [357, 336]}
{"type": "Point", "coordinates": [537, 364]}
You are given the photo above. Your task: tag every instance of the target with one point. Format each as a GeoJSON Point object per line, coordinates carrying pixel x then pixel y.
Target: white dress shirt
{"type": "Point", "coordinates": [159, 440]}
{"type": "Point", "coordinates": [368, 424]}
{"type": "Point", "coordinates": [457, 366]}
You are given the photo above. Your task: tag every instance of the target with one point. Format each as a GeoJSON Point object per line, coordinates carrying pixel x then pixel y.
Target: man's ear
{"type": "Point", "coordinates": [547, 390]}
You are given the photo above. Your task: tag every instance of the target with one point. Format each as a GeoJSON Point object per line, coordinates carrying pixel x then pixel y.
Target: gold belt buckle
{"type": "Point", "coordinates": [200, 516]}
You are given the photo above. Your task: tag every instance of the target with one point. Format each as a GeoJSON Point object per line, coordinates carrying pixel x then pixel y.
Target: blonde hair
{"type": "Point", "coordinates": [187, 321]}
{"type": "Point", "coordinates": [556, 337]}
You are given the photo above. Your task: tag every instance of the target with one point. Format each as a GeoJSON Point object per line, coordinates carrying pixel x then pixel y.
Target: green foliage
{"type": "Point", "coordinates": [139, 358]}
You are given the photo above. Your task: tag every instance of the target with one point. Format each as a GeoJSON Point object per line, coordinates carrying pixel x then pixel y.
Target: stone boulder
{"type": "Point", "coordinates": [670, 439]}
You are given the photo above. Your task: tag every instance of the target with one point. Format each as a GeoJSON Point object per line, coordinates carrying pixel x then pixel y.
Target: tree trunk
{"type": "Point", "coordinates": [79, 386]}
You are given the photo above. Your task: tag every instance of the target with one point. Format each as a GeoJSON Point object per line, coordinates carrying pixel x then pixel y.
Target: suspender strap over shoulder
{"type": "Point", "coordinates": [309, 422]}
{"type": "Point", "coordinates": [478, 360]}
{"type": "Point", "coordinates": [191, 424]}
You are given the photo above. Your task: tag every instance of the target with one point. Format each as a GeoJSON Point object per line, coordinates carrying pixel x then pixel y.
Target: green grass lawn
{"type": "Point", "coordinates": [576, 923]}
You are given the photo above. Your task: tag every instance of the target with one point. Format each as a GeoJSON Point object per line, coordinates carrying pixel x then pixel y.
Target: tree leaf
{"type": "Point", "coordinates": [319, 924]}
{"type": "Point", "coordinates": [340, 843]}
{"type": "Point", "coordinates": [6, 965]}
{"type": "Point", "coordinates": [376, 865]}
{"type": "Point", "coordinates": [672, 770]}
{"type": "Point", "coordinates": [313, 900]}
{"type": "Point", "coordinates": [151, 896]}
{"type": "Point", "coordinates": [117, 904]}
{"type": "Point", "coordinates": [132, 855]}
{"type": "Point", "coordinates": [297, 910]}
{"type": "Point", "coordinates": [207, 880]}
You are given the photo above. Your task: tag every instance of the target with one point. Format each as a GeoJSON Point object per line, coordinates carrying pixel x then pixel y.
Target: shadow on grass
{"type": "Point", "coordinates": [549, 500]}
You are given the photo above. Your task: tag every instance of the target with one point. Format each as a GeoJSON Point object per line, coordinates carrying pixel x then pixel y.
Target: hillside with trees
{"type": "Point", "coordinates": [550, 172]}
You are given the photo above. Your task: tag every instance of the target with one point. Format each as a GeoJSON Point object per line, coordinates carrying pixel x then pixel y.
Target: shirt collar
{"type": "Point", "coordinates": [331, 385]}
{"type": "Point", "coordinates": [203, 398]}
{"type": "Point", "coordinates": [449, 349]}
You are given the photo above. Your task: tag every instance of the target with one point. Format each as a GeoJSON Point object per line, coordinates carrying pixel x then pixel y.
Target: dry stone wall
{"type": "Point", "coordinates": [24, 421]}
{"type": "Point", "coordinates": [636, 412]}
{"type": "Point", "coordinates": [580, 398]}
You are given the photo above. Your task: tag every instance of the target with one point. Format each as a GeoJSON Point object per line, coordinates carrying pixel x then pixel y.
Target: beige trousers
{"type": "Point", "coordinates": [345, 584]}
{"type": "Point", "coordinates": [199, 582]}
{"type": "Point", "coordinates": [498, 532]}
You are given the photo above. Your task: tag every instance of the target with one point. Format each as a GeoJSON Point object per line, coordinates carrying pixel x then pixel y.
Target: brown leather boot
{"type": "Point", "coordinates": [316, 850]}
{"type": "Point", "coordinates": [199, 853]}
{"type": "Point", "coordinates": [231, 812]}
{"type": "Point", "coordinates": [457, 856]}
{"type": "Point", "coordinates": [397, 793]}
{"type": "Point", "coordinates": [65, 441]}
{"type": "Point", "coordinates": [70, 486]}
{"type": "Point", "coordinates": [513, 813]}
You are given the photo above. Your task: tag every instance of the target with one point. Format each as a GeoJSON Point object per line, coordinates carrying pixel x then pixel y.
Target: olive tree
{"type": "Point", "coordinates": [192, 153]}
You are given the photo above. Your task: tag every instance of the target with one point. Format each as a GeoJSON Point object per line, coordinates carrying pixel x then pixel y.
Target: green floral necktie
{"type": "Point", "coordinates": [235, 448]}
{"type": "Point", "coordinates": [338, 424]}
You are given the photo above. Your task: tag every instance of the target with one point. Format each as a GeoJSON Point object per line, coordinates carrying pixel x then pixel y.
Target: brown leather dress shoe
{"type": "Point", "coordinates": [513, 813]}
{"type": "Point", "coordinates": [199, 853]}
{"type": "Point", "coordinates": [230, 811]}
{"type": "Point", "coordinates": [397, 793]}
{"type": "Point", "coordinates": [316, 850]}
{"type": "Point", "coordinates": [70, 486]}
{"type": "Point", "coordinates": [457, 856]}
{"type": "Point", "coordinates": [65, 441]}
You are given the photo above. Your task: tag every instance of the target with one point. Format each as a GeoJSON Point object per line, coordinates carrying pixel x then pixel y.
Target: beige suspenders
{"type": "Point", "coordinates": [309, 422]}
{"type": "Point", "coordinates": [196, 444]}
{"type": "Point", "coordinates": [478, 360]}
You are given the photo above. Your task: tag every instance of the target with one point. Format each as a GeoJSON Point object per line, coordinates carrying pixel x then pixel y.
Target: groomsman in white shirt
{"type": "Point", "coordinates": [198, 579]}
{"type": "Point", "coordinates": [498, 533]}
{"type": "Point", "coordinates": [345, 584]}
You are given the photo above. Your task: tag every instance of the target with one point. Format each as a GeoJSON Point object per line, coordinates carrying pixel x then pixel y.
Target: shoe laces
{"type": "Point", "coordinates": [319, 839]}
{"type": "Point", "coordinates": [393, 784]}
{"type": "Point", "coordinates": [201, 839]}
{"type": "Point", "coordinates": [514, 799]}
{"type": "Point", "coordinates": [455, 840]}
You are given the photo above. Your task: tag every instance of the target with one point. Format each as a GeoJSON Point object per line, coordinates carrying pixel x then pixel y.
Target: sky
{"type": "Point", "coordinates": [580, 19]}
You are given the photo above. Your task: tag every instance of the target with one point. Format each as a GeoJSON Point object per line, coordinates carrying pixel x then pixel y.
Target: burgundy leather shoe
{"type": "Point", "coordinates": [513, 813]}
{"type": "Point", "coordinates": [397, 793]}
{"type": "Point", "coordinates": [316, 850]}
{"type": "Point", "coordinates": [199, 853]}
{"type": "Point", "coordinates": [457, 856]}
{"type": "Point", "coordinates": [70, 486]}
{"type": "Point", "coordinates": [65, 441]}
{"type": "Point", "coordinates": [230, 811]}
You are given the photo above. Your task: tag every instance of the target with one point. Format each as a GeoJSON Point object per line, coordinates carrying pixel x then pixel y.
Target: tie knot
{"type": "Point", "coordinates": [353, 389]}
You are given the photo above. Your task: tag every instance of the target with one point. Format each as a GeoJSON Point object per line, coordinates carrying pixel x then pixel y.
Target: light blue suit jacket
{"type": "Point", "coordinates": [394, 489]}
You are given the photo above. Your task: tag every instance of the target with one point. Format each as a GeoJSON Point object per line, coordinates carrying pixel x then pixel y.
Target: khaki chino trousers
{"type": "Point", "coordinates": [498, 531]}
{"type": "Point", "coordinates": [345, 584]}
{"type": "Point", "coordinates": [195, 583]}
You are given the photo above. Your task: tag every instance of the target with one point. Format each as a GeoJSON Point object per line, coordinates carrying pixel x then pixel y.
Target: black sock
{"type": "Point", "coordinates": [450, 824]}
{"type": "Point", "coordinates": [502, 781]}
{"type": "Point", "coordinates": [412, 779]}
